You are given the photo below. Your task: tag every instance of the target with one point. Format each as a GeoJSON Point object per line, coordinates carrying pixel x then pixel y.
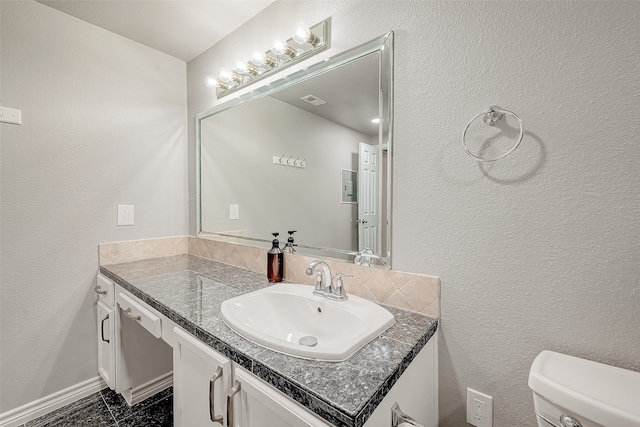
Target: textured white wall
{"type": "Point", "coordinates": [104, 122]}
{"type": "Point", "coordinates": [239, 145]}
{"type": "Point", "coordinates": [540, 250]}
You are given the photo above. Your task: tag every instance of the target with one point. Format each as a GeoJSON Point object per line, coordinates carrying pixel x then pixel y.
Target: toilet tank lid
{"type": "Point", "coordinates": [605, 394]}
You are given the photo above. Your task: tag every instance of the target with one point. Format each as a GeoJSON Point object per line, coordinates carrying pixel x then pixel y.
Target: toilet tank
{"type": "Point", "coordinates": [594, 394]}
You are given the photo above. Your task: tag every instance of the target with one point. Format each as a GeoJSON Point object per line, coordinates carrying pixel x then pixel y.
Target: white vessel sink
{"type": "Point", "coordinates": [289, 319]}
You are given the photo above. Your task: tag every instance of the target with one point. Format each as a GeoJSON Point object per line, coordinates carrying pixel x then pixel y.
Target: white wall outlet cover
{"type": "Point", "coordinates": [125, 214]}
{"type": "Point", "coordinates": [479, 409]}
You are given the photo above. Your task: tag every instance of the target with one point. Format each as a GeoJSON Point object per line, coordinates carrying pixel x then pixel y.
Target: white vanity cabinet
{"type": "Point", "coordinates": [141, 352]}
{"type": "Point", "coordinates": [203, 379]}
{"type": "Point", "coordinates": [203, 395]}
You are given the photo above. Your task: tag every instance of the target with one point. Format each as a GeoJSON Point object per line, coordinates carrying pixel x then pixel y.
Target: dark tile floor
{"type": "Point", "coordinates": [109, 409]}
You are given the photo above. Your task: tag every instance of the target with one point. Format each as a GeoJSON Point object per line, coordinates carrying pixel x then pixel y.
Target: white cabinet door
{"type": "Point", "coordinates": [106, 345]}
{"type": "Point", "coordinates": [257, 404]}
{"type": "Point", "coordinates": [201, 378]}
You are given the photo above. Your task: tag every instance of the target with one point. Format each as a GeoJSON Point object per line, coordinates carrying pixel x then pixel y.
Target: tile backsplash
{"type": "Point", "coordinates": [138, 250]}
{"type": "Point", "coordinates": [410, 291]}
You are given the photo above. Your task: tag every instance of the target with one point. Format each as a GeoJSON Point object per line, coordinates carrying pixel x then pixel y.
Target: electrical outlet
{"type": "Point", "coordinates": [479, 409]}
{"type": "Point", "coordinates": [125, 214]}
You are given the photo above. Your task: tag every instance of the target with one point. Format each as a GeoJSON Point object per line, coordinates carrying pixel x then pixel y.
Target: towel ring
{"type": "Point", "coordinates": [492, 116]}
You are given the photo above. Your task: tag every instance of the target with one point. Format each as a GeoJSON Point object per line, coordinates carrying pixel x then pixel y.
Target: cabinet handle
{"type": "Point", "coordinates": [234, 390]}
{"type": "Point", "coordinates": [102, 328]}
{"type": "Point", "coordinates": [99, 291]}
{"type": "Point", "coordinates": [212, 384]}
{"type": "Point", "coordinates": [130, 316]}
{"type": "Point", "coordinates": [399, 418]}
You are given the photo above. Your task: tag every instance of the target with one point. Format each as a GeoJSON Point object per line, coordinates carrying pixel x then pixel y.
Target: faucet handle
{"type": "Point", "coordinates": [339, 283]}
{"type": "Point", "coordinates": [319, 286]}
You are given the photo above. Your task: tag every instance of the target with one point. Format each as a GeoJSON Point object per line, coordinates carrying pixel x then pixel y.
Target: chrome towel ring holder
{"type": "Point", "coordinates": [492, 116]}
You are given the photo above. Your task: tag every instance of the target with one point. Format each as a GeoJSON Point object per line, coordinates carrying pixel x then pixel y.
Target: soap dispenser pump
{"type": "Point", "coordinates": [288, 247]}
{"type": "Point", "coordinates": [275, 261]}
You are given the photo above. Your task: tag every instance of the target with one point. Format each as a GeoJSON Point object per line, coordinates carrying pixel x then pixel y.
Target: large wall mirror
{"type": "Point", "coordinates": [310, 152]}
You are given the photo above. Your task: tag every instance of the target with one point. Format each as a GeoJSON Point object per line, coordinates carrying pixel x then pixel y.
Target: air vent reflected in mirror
{"type": "Point", "coordinates": [313, 100]}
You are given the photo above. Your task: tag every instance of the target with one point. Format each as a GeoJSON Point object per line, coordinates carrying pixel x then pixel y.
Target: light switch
{"type": "Point", "coordinates": [10, 115]}
{"type": "Point", "coordinates": [234, 212]}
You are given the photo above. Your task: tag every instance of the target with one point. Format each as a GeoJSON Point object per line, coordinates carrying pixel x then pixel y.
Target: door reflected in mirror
{"type": "Point", "coordinates": [310, 152]}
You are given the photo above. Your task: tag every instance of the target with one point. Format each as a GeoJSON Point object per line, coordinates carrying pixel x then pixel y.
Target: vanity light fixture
{"type": "Point", "coordinates": [376, 120]}
{"type": "Point", "coordinates": [307, 41]}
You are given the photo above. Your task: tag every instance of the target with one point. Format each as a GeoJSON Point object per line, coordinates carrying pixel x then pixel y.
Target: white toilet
{"type": "Point", "coordinates": [573, 392]}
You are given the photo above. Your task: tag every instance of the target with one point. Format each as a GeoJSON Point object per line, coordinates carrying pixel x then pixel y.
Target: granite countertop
{"type": "Point", "coordinates": [189, 291]}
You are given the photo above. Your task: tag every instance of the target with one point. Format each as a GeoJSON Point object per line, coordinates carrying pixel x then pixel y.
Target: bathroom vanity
{"type": "Point", "coordinates": [159, 324]}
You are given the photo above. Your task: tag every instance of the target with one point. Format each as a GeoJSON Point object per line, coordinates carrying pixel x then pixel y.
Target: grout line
{"type": "Point", "coordinates": [108, 409]}
{"type": "Point", "coordinates": [146, 409]}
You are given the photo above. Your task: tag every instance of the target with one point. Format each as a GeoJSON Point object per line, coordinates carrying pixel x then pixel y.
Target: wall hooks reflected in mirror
{"type": "Point", "coordinates": [290, 161]}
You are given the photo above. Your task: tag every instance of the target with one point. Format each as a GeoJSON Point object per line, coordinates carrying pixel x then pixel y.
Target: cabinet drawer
{"type": "Point", "coordinates": [136, 310]}
{"type": "Point", "coordinates": [105, 290]}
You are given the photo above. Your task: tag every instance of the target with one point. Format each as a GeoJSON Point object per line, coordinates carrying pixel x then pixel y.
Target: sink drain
{"type": "Point", "coordinates": [309, 341]}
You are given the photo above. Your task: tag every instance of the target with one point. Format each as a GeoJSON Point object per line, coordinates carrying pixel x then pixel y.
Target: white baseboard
{"type": "Point", "coordinates": [137, 394]}
{"type": "Point", "coordinates": [40, 407]}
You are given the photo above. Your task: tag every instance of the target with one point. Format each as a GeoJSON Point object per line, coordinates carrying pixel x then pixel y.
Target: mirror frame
{"type": "Point", "coordinates": [383, 45]}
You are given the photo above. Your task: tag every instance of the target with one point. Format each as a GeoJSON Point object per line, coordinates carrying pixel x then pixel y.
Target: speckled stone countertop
{"type": "Point", "coordinates": [189, 291]}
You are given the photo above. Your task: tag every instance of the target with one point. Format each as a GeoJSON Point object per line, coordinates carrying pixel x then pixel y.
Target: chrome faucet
{"type": "Point", "coordinates": [324, 282]}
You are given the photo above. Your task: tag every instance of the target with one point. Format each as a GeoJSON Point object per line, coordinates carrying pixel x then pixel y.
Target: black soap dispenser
{"type": "Point", "coordinates": [275, 261]}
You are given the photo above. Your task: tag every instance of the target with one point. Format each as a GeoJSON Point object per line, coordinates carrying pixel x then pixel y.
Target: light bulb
{"type": "Point", "coordinates": [245, 69]}
{"type": "Point", "coordinates": [225, 75]}
{"type": "Point", "coordinates": [257, 58]}
{"type": "Point", "coordinates": [211, 82]}
{"type": "Point", "coordinates": [304, 35]}
{"type": "Point", "coordinates": [228, 76]}
{"type": "Point", "coordinates": [376, 120]}
{"type": "Point", "coordinates": [282, 48]}
{"type": "Point", "coordinates": [261, 59]}
{"type": "Point", "coordinates": [241, 68]}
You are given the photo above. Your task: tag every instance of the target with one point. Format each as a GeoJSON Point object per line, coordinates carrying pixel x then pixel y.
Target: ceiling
{"type": "Point", "coordinates": [186, 28]}
{"type": "Point", "coordinates": [350, 92]}
{"type": "Point", "coordinates": [180, 28]}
